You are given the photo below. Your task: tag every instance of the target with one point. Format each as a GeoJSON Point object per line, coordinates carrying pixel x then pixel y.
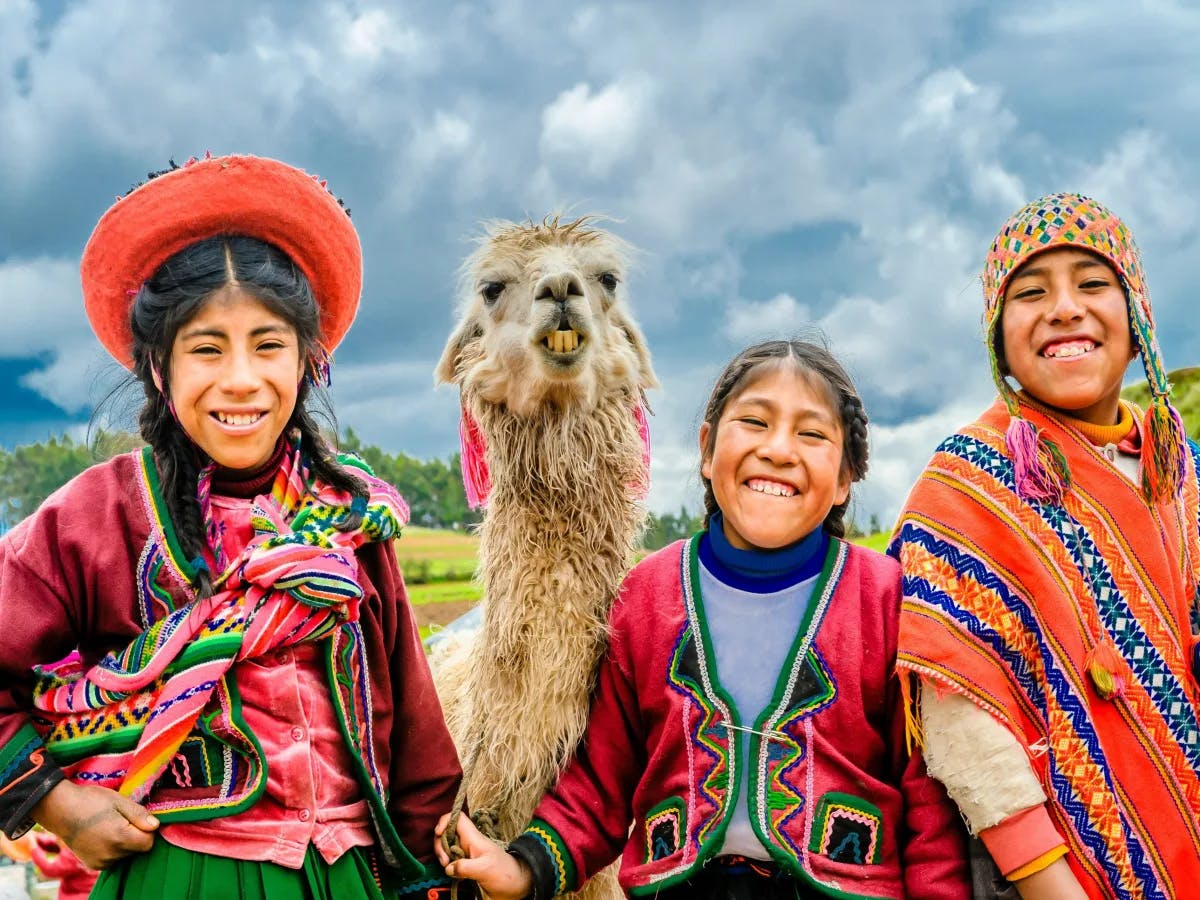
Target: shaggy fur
{"type": "Point", "coordinates": [562, 519]}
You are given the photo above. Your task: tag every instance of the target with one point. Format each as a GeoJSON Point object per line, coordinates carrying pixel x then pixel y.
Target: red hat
{"type": "Point", "coordinates": [235, 195]}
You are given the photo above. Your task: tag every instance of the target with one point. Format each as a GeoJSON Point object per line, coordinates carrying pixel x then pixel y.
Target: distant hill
{"type": "Point", "coordinates": [1185, 394]}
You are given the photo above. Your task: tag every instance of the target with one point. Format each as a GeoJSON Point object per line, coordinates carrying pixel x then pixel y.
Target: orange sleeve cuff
{"type": "Point", "coordinates": [1038, 864]}
{"type": "Point", "coordinates": [1022, 841]}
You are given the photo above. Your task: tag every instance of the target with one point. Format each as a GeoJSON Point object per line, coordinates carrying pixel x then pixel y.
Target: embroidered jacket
{"type": "Point", "coordinates": [1005, 602]}
{"type": "Point", "coordinates": [99, 562]}
{"type": "Point", "coordinates": [834, 796]}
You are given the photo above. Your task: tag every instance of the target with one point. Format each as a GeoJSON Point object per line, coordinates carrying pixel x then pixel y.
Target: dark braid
{"type": "Point", "coordinates": [169, 299]}
{"type": "Point", "coordinates": [816, 361]}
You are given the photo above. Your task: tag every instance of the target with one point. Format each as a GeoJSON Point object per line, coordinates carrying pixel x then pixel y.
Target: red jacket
{"type": "Point", "coordinates": [834, 795]}
{"type": "Point", "coordinates": [99, 562]}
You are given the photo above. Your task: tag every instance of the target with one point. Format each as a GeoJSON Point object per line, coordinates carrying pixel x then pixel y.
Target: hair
{"type": "Point", "coordinates": [816, 363]}
{"type": "Point", "coordinates": [169, 299]}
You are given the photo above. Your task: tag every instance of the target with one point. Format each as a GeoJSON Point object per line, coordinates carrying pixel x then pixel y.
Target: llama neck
{"type": "Point", "coordinates": [561, 526]}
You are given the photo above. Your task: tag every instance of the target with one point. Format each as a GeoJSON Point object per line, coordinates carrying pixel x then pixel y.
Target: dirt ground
{"type": "Point", "coordinates": [441, 613]}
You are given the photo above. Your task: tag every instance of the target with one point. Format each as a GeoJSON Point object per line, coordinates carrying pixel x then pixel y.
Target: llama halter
{"type": "Point", "coordinates": [1072, 220]}
{"type": "Point", "coordinates": [221, 195]}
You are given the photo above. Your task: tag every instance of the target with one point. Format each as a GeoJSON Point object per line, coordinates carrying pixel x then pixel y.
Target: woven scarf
{"type": "Point", "coordinates": [120, 723]}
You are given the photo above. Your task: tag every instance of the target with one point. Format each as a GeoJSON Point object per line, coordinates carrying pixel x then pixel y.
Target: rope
{"type": "Point", "coordinates": [450, 836]}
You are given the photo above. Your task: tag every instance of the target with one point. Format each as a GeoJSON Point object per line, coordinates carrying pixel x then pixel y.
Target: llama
{"type": "Point", "coordinates": [552, 371]}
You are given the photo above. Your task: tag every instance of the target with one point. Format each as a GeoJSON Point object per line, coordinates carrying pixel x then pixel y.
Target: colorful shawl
{"type": "Point", "coordinates": [121, 723]}
{"type": "Point", "coordinates": [1006, 601]}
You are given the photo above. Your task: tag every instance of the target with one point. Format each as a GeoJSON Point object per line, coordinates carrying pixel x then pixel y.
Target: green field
{"type": "Point", "coordinates": [432, 555]}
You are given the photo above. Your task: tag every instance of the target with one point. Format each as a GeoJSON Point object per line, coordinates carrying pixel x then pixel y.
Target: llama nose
{"type": "Point", "coordinates": [559, 287]}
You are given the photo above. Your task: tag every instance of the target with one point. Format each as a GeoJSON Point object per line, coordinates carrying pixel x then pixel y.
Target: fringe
{"type": "Point", "coordinates": [477, 481]}
{"type": "Point", "coordinates": [1164, 444]}
{"type": "Point", "coordinates": [641, 487]}
{"type": "Point", "coordinates": [1039, 467]}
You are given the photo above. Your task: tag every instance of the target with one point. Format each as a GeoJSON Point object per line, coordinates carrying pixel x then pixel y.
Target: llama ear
{"type": "Point", "coordinates": [646, 378]}
{"type": "Point", "coordinates": [447, 371]}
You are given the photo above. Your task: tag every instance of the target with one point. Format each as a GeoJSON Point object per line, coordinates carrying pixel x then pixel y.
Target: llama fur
{"type": "Point", "coordinates": [567, 469]}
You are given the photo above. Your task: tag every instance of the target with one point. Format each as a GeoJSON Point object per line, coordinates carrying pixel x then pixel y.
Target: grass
{"type": "Point", "coordinates": [1185, 394]}
{"type": "Point", "coordinates": [443, 592]}
{"type": "Point", "coordinates": [877, 541]}
{"type": "Point", "coordinates": [432, 555]}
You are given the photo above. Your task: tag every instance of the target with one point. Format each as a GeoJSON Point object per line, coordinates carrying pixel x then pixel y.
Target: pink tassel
{"type": "Point", "coordinates": [477, 481]}
{"type": "Point", "coordinates": [642, 486]}
{"type": "Point", "coordinates": [1032, 463]}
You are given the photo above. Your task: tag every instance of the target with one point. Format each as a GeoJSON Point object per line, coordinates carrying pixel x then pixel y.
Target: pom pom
{"type": "Point", "coordinates": [199, 565]}
{"type": "Point", "coordinates": [1039, 468]}
{"type": "Point", "coordinates": [1163, 449]}
{"type": "Point", "coordinates": [477, 481]}
{"type": "Point", "coordinates": [1106, 668]}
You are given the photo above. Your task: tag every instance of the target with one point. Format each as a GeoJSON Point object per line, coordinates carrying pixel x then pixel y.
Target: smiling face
{"type": "Point", "coordinates": [234, 375]}
{"type": "Point", "coordinates": [1065, 327]}
{"type": "Point", "coordinates": [775, 462]}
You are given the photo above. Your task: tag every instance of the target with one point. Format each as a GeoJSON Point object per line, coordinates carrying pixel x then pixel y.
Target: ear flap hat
{"type": "Point", "coordinates": [221, 195]}
{"type": "Point", "coordinates": [1072, 220]}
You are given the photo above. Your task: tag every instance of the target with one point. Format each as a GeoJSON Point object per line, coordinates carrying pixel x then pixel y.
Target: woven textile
{"type": "Point", "coordinates": [121, 723]}
{"type": "Point", "coordinates": [1005, 602]}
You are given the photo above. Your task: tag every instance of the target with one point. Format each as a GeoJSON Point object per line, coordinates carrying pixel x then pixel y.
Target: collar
{"type": "Point", "coordinates": [248, 485]}
{"type": "Point", "coordinates": [761, 571]}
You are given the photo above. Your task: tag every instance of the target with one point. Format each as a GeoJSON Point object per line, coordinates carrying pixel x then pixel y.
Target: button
{"type": "Point", "coordinates": [305, 815]}
{"type": "Point", "coordinates": [297, 734]}
{"type": "Point", "coordinates": [283, 657]}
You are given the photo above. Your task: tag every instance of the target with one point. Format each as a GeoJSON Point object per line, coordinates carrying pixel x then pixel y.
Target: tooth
{"type": "Point", "coordinates": [572, 343]}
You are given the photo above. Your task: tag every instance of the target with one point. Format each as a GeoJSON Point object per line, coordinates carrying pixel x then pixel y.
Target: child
{"type": "Point", "coordinates": [764, 646]}
{"type": "Point", "coordinates": [253, 712]}
{"type": "Point", "coordinates": [1050, 554]}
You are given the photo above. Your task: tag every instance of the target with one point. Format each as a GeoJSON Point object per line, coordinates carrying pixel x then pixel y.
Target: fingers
{"type": "Point", "coordinates": [135, 814]}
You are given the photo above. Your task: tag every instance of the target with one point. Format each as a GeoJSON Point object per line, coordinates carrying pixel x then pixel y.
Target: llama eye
{"type": "Point", "coordinates": [608, 280]}
{"type": "Point", "coordinates": [492, 290]}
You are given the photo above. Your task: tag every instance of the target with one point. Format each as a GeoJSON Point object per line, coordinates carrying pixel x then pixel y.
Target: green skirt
{"type": "Point", "coordinates": [169, 871]}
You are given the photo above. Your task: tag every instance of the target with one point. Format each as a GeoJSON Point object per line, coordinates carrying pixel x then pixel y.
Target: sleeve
{"type": "Point", "coordinates": [988, 774]}
{"type": "Point", "coordinates": [582, 824]}
{"type": "Point", "coordinates": [37, 628]}
{"type": "Point", "coordinates": [424, 774]}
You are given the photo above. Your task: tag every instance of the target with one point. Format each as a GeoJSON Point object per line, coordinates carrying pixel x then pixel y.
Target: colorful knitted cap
{"type": "Point", "coordinates": [1072, 220]}
{"type": "Point", "coordinates": [221, 195]}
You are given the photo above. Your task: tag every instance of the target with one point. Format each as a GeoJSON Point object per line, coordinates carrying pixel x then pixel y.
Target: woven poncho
{"type": "Point", "coordinates": [1011, 598]}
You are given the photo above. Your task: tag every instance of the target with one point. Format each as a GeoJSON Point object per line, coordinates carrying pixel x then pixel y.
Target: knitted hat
{"type": "Point", "coordinates": [1072, 220]}
{"type": "Point", "coordinates": [220, 195]}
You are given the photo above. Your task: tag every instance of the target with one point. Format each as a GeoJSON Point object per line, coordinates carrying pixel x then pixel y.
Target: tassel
{"type": "Point", "coordinates": [477, 482]}
{"type": "Point", "coordinates": [910, 702]}
{"type": "Point", "coordinates": [1163, 449]}
{"type": "Point", "coordinates": [641, 487]}
{"type": "Point", "coordinates": [1106, 668]}
{"type": "Point", "coordinates": [1039, 468]}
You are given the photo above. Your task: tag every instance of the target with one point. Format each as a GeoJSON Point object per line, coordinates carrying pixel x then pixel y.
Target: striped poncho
{"type": "Point", "coordinates": [1006, 601]}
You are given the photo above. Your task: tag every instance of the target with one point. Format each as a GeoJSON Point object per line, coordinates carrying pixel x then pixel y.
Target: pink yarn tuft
{"type": "Point", "coordinates": [477, 481]}
{"type": "Point", "coordinates": [1034, 479]}
{"type": "Point", "coordinates": [642, 487]}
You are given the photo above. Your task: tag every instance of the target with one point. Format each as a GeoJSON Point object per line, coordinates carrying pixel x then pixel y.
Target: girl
{"type": "Point", "coordinates": [746, 722]}
{"type": "Point", "coordinates": [1050, 554]}
{"type": "Point", "coordinates": [253, 707]}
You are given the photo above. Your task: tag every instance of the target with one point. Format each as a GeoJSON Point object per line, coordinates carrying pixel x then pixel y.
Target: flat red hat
{"type": "Point", "coordinates": [234, 195]}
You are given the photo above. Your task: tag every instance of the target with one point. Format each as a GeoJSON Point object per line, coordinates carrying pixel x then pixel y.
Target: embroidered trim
{"type": "Point", "coordinates": [665, 828]}
{"type": "Point", "coordinates": [556, 850]}
{"type": "Point", "coordinates": [847, 829]}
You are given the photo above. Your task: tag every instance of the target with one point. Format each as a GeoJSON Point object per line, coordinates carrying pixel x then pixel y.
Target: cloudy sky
{"type": "Point", "coordinates": [780, 165]}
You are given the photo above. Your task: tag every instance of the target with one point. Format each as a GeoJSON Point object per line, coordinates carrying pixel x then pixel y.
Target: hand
{"type": "Point", "coordinates": [502, 875]}
{"type": "Point", "coordinates": [100, 825]}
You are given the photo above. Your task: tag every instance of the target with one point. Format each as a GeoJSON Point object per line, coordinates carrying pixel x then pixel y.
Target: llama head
{"type": "Point", "coordinates": [543, 320]}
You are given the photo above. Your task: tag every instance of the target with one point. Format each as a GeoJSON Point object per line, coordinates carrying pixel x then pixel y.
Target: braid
{"type": "Point", "coordinates": [855, 450]}
{"type": "Point", "coordinates": [323, 462]}
{"type": "Point", "coordinates": [179, 472]}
